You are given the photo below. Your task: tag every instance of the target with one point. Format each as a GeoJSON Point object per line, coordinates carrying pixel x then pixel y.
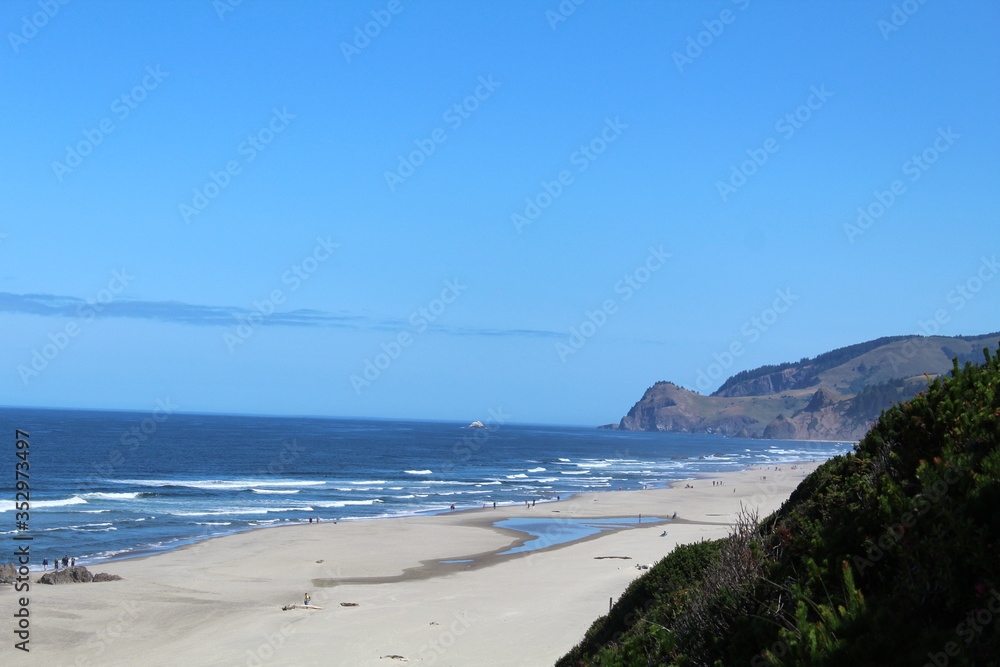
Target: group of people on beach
{"type": "Point", "coordinates": [66, 562]}
{"type": "Point", "coordinates": [720, 483]}
{"type": "Point", "coordinates": [528, 503]}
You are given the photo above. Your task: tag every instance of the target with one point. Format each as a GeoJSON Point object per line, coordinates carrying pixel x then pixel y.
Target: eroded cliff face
{"type": "Point", "coordinates": [772, 383]}
{"type": "Point", "coordinates": [780, 429]}
{"type": "Point", "coordinates": [653, 412]}
{"type": "Point", "coordinates": [667, 407]}
{"type": "Point", "coordinates": [802, 416]}
{"type": "Point", "coordinates": [824, 418]}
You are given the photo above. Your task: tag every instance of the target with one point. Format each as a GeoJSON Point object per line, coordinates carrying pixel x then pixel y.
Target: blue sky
{"type": "Point", "coordinates": [434, 209]}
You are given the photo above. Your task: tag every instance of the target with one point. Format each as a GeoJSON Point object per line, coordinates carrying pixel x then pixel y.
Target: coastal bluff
{"type": "Point", "coordinates": [834, 396]}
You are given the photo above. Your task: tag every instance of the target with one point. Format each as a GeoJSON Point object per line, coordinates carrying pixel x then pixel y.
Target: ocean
{"type": "Point", "coordinates": [107, 485]}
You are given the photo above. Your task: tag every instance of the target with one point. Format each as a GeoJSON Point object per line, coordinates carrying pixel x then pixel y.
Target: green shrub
{"type": "Point", "coordinates": [887, 555]}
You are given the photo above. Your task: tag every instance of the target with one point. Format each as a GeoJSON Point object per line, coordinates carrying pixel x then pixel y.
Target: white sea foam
{"type": "Point", "coordinates": [517, 476]}
{"type": "Point", "coordinates": [75, 500]}
{"type": "Point", "coordinates": [213, 523]}
{"type": "Point", "coordinates": [536, 470]}
{"type": "Point", "coordinates": [7, 505]}
{"type": "Point", "coordinates": [110, 496]}
{"type": "Point", "coordinates": [775, 450]}
{"type": "Point", "coordinates": [249, 510]}
{"type": "Point", "coordinates": [345, 503]}
{"type": "Point", "coordinates": [275, 491]}
{"type": "Point", "coordinates": [86, 527]}
{"type": "Point", "coordinates": [220, 484]}
{"type": "Point", "coordinates": [418, 472]}
{"type": "Point", "coordinates": [574, 472]}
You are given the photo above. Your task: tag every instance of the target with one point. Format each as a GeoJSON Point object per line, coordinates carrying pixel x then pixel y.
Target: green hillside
{"type": "Point", "coordinates": [889, 555]}
{"type": "Point", "coordinates": [815, 365]}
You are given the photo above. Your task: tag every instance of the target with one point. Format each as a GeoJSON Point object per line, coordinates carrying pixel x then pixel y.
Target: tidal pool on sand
{"type": "Point", "coordinates": [549, 532]}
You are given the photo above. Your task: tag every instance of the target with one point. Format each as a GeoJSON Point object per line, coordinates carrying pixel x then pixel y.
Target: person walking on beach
{"type": "Point", "coordinates": [45, 564]}
{"type": "Point", "coordinates": [65, 561]}
{"type": "Point", "coordinates": [307, 600]}
{"type": "Point", "coordinates": [56, 561]}
{"type": "Point", "coordinates": [72, 562]}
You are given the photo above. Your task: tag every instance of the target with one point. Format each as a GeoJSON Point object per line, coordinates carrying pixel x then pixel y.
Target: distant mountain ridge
{"type": "Point", "coordinates": [833, 396]}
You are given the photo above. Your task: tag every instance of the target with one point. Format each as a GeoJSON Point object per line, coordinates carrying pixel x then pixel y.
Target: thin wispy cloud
{"type": "Point", "coordinates": [177, 312]}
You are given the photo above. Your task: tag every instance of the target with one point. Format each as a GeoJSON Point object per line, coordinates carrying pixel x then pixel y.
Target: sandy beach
{"type": "Point", "coordinates": [219, 602]}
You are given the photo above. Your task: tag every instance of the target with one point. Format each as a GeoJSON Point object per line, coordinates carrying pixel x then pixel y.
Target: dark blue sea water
{"type": "Point", "coordinates": [114, 484]}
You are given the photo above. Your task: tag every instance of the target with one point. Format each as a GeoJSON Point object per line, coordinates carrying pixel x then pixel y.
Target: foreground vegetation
{"type": "Point", "coordinates": [887, 555]}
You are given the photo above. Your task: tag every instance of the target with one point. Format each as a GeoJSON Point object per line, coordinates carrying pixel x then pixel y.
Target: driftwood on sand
{"type": "Point", "coordinates": [300, 606]}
